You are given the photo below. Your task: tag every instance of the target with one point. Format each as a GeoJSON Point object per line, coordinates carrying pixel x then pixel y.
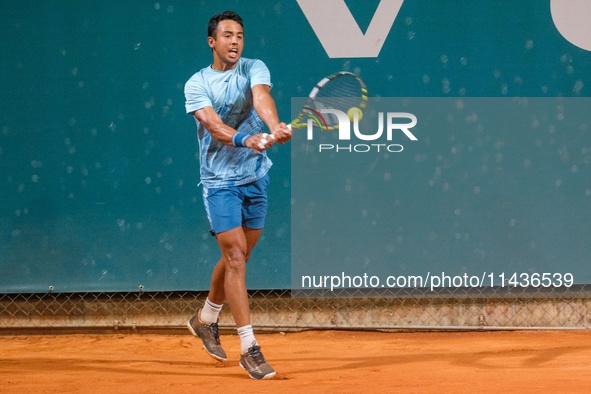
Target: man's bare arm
{"type": "Point", "coordinates": [265, 107]}
{"type": "Point", "coordinates": [224, 133]}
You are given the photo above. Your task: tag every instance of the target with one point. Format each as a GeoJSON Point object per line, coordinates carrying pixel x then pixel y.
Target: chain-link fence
{"type": "Point", "coordinates": [277, 310]}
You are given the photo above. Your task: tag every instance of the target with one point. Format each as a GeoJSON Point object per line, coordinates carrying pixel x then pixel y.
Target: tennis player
{"type": "Point", "coordinates": [230, 100]}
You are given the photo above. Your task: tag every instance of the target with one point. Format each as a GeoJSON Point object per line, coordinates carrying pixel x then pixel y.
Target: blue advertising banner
{"type": "Point", "coordinates": [99, 169]}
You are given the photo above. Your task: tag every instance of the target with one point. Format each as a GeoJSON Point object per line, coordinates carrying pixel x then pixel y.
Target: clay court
{"type": "Point", "coordinates": [307, 362]}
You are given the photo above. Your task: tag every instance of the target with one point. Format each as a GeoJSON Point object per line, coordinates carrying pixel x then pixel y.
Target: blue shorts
{"type": "Point", "coordinates": [234, 206]}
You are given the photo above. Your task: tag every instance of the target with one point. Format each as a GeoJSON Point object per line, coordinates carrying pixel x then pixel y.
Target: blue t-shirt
{"type": "Point", "coordinates": [230, 95]}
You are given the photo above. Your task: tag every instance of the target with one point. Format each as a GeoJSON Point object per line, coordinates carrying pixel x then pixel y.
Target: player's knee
{"type": "Point", "coordinates": [236, 259]}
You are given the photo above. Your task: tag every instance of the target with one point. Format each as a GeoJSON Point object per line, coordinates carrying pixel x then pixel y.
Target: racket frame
{"type": "Point", "coordinates": [308, 111]}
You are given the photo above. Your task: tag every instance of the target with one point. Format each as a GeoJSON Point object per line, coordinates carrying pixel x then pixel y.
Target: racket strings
{"type": "Point", "coordinates": [338, 103]}
{"type": "Point", "coordinates": [342, 93]}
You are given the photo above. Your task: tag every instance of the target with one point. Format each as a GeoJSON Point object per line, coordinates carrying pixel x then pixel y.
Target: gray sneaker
{"type": "Point", "coordinates": [209, 334]}
{"type": "Point", "coordinates": [254, 363]}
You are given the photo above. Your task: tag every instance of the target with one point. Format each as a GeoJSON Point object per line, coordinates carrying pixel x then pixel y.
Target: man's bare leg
{"type": "Point", "coordinates": [228, 278]}
{"type": "Point", "coordinates": [216, 292]}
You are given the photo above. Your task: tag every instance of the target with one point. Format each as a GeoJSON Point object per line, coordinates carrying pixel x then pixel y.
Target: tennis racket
{"type": "Point", "coordinates": [343, 91]}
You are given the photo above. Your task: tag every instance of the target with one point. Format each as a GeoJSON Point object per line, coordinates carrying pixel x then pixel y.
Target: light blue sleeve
{"type": "Point", "coordinates": [259, 74]}
{"type": "Point", "coordinates": [196, 94]}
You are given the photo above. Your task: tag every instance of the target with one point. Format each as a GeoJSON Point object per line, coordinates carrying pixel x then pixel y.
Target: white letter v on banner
{"type": "Point", "coordinates": [340, 34]}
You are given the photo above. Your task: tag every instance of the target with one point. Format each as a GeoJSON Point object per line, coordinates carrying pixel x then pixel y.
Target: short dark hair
{"type": "Point", "coordinates": [216, 19]}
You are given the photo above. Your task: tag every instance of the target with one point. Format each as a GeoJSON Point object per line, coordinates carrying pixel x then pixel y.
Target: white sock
{"type": "Point", "coordinates": [210, 312]}
{"type": "Point", "coordinates": [247, 339]}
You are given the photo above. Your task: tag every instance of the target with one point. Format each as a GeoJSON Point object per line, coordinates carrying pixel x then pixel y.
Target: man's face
{"type": "Point", "coordinates": [228, 41]}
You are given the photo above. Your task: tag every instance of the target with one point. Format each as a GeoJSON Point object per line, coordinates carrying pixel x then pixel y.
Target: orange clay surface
{"type": "Point", "coordinates": [307, 362]}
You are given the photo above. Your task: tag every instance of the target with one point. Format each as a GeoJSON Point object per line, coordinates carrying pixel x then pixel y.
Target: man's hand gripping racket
{"type": "Point", "coordinates": [280, 134]}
